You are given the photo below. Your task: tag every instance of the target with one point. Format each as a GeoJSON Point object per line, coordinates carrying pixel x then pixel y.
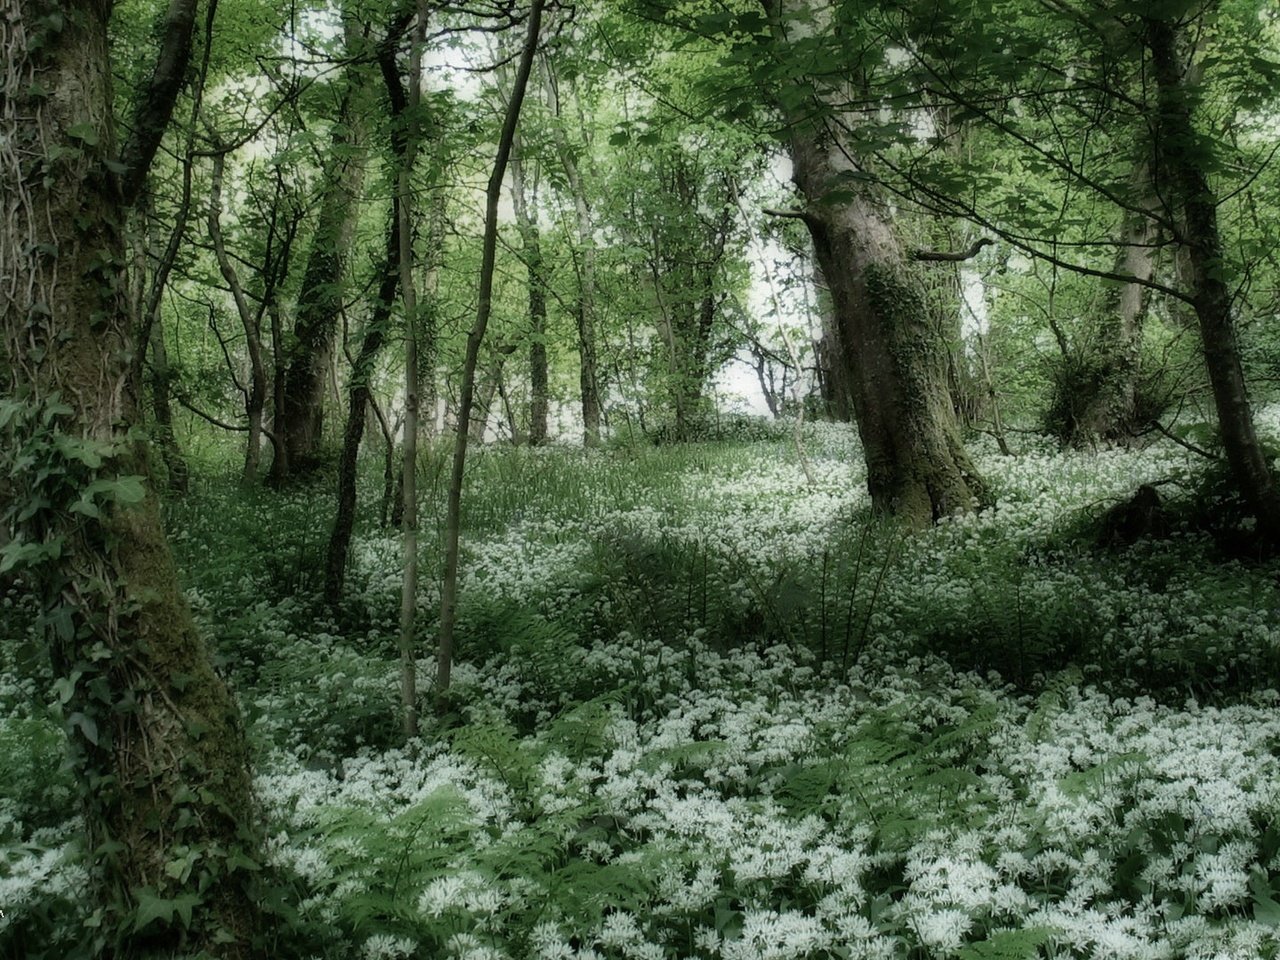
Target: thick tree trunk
{"type": "Point", "coordinates": [917, 467]}
{"type": "Point", "coordinates": [1181, 164]}
{"type": "Point", "coordinates": [522, 193]}
{"type": "Point", "coordinates": [833, 373]}
{"type": "Point", "coordinates": [154, 734]}
{"type": "Point", "coordinates": [1099, 402]}
{"type": "Point", "coordinates": [300, 420]}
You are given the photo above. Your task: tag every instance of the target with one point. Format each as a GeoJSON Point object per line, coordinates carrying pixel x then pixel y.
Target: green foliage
{"type": "Point", "coordinates": [38, 791]}
{"type": "Point", "coordinates": [1009, 944]}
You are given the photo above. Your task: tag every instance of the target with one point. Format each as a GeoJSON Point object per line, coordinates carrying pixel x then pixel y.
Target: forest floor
{"type": "Point", "coordinates": [704, 709]}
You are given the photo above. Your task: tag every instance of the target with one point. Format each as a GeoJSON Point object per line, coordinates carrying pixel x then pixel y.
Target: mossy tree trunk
{"type": "Point", "coordinates": [154, 734]}
{"type": "Point", "coordinates": [917, 467]}
{"type": "Point", "coordinates": [1095, 392]}
{"type": "Point", "coordinates": [833, 373]}
{"type": "Point", "coordinates": [299, 420]}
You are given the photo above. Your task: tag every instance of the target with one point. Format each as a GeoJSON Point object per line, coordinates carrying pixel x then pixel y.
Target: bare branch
{"type": "Point", "coordinates": [941, 257]}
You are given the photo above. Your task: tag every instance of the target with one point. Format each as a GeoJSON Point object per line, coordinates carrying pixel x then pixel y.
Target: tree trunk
{"type": "Point", "coordinates": [256, 398]}
{"type": "Point", "coordinates": [475, 338]}
{"type": "Point", "coordinates": [829, 353]}
{"type": "Point", "coordinates": [1099, 401]}
{"type": "Point", "coordinates": [358, 399]}
{"type": "Point", "coordinates": [917, 467]}
{"type": "Point", "coordinates": [409, 481]}
{"type": "Point", "coordinates": [176, 471]}
{"type": "Point", "coordinates": [584, 307]}
{"type": "Point", "coordinates": [299, 421]}
{"type": "Point", "coordinates": [522, 193]}
{"type": "Point", "coordinates": [154, 734]}
{"type": "Point", "coordinates": [146, 304]}
{"type": "Point", "coordinates": [359, 395]}
{"type": "Point", "coordinates": [1181, 164]}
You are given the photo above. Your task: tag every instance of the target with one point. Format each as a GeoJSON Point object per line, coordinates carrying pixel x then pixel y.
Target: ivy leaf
{"type": "Point", "coordinates": [64, 687]}
{"type": "Point", "coordinates": [152, 908]}
{"type": "Point", "coordinates": [87, 726]}
{"type": "Point", "coordinates": [87, 133]}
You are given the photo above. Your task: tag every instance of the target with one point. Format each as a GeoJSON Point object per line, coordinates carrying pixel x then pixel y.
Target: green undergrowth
{"type": "Point", "coordinates": [703, 708]}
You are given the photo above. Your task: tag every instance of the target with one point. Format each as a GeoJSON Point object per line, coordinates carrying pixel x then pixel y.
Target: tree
{"type": "Point", "coordinates": [1114, 89]}
{"type": "Point", "coordinates": [475, 339]}
{"type": "Point", "coordinates": [155, 735]}
{"type": "Point", "coordinates": [299, 417]}
{"type": "Point", "coordinates": [585, 251]}
{"type": "Point", "coordinates": [524, 198]}
{"type": "Point", "coordinates": [1182, 156]}
{"type": "Point", "coordinates": [917, 468]}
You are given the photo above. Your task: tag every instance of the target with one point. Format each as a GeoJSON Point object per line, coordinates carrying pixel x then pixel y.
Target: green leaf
{"type": "Point", "coordinates": [64, 687]}
{"type": "Point", "coordinates": [87, 726]}
{"type": "Point", "coordinates": [1265, 908]}
{"type": "Point", "coordinates": [85, 132]}
{"type": "Point", "coordinates": [152, 907]}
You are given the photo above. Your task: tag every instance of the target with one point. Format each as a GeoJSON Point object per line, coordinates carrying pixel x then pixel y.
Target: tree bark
{"type": "Point", "coordinates": [522, 193]}
{"type": "Point", "coordinates": [256, 397]}
{"type": "Point", "coordinates": [584, 307]}
{"type": "Point", "coordinates": [146, 304]}
{"type": "Point", "coordinates": [358, 399]}
{"type": "Point", "coordinates": [409, 481]}
{"type": "Point", "coordinates": [154, 104]}
{"type": "Point", "coordinates": [1099, 402]}
{"type": "Point", "coordinates": [299, 421]}
{"type": "Point", "coordinates": [829, 353]}
{"type": "Point", "coordinates": [1181, 162]}
{"type": "Point", "coordinates": [917, 467]}
{"type": "Point", "coordinates": [358, 387]}
{"type": "Point", "coordinates": [154, 734]}
{"type": "Point", "coordinates": [475, 338]}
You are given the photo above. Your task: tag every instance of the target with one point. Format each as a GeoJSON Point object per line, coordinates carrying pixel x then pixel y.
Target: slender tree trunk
{"type": "Point", "coordinates": [409, 483]}
{"type": "Point", "coordinates": [177, 473]}
{"type": "Point", "coordinates": [256, 400]}
{"type": "Point", "coordinates": [358, 398]}
{"type": "Point", "coordinates": [1181, 164]}
{"type": "Point", "coordinates": [523, 194]}
{"type": "Point", "coordinates": [453, 512]}
{"type": "Point", "coordinates": [584, 307]}
{"type": "Point", "coordinates": [154, 735]}
{"type": "Point", "coordinates": [141, 305]}
{"type": "Point", "coordinates": [358, 386]}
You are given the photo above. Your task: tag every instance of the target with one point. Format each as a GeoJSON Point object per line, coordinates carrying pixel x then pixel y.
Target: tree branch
{"type": "Point", "coordinates": [789, 214]}
{"type": "Point", "coordinates": [154, 103]}
{"type": "Point", "coordinates": [938, 256]}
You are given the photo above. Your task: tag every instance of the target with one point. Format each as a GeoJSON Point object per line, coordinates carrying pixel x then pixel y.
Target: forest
{"type": "Point", "coordinates": [640, 479]}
